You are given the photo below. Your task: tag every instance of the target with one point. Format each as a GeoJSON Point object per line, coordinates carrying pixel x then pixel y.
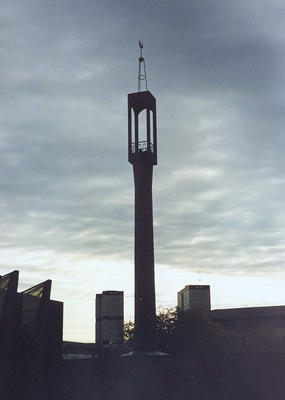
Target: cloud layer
{"type": "Point", "coordinates": [217, 71]}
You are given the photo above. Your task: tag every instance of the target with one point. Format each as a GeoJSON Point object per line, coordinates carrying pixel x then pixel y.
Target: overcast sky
{"type": "Point", "coordinates": [217, 70]}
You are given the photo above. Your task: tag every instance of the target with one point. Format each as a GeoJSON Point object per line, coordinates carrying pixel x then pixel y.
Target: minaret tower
{"type": "Point", "coordinates": [142, 146]}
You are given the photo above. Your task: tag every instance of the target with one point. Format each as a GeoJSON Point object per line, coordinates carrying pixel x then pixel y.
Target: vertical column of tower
{"type": "Point", "coordinates": [144, 254]}
{"type": "Point", "coordinates": [142, 155]}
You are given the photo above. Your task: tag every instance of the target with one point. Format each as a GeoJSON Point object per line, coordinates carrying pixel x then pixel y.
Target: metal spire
{"type": "Point", "coordinates": [141, 75]}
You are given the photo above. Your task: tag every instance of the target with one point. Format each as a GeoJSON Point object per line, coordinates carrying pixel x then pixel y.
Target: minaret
{"type": "Point", "coordinates": [142, 146]}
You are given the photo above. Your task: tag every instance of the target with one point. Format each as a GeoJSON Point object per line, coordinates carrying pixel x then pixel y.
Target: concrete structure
{"type": "Point", "coordinates": [110, 317]}
{"type": "Point", "coordinates": [252, 321]}
{"type": "Point", "coordinates": [194, 297]}
{"type": "Point", "coordinates": [142, 154]}
{"type": "Point", "coordinates": [30, 337]}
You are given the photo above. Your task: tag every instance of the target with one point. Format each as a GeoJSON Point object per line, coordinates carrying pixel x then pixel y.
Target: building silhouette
{"type": "Point", "coordinates": [30, 338]}
{"type": "Point", "coordinates": [110, 317]}
{"type": "Point", "coordinates": [194, 297]}
{"type": "Point", "coordinates": [142, 154]}
{"type": "Point", "coordinates": [252, 321]}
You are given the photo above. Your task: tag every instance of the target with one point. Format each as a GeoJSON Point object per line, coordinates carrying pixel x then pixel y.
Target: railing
{"type": "Point", "coordinates": [143, 146]}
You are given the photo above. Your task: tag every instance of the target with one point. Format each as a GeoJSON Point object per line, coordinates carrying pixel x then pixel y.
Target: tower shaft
{"type": "Point", "coordinates": [144, 254]}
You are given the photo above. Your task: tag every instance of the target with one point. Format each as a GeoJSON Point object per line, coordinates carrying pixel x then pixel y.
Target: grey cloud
{"type": "Point", "coordinates": [217, 75]}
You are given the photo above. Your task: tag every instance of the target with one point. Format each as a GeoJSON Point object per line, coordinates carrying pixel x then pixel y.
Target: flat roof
{"type": "Point", "coordinates": [246, 312]}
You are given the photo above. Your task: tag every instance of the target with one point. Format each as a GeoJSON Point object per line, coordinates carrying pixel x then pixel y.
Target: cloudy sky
{"type": "Point", "coordinates": [217, 70]}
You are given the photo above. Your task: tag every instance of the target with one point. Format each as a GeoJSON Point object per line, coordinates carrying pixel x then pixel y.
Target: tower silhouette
{"type": "Point", "coordinates": [142, 149]}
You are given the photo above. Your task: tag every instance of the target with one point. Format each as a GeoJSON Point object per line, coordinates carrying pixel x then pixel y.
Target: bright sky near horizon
{"type": "Point", "coordinates": [217, 70]}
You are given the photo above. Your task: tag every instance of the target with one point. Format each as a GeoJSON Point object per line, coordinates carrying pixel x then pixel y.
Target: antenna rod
{"type": "Point", "coordinates": [141, 75]}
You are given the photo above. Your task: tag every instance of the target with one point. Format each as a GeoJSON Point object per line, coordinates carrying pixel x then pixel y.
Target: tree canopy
{"type": "Point", "coordinates": [178, 332]}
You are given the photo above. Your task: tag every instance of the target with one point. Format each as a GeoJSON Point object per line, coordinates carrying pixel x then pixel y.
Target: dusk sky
{"type": "Point", "coordinates": [217, 70]}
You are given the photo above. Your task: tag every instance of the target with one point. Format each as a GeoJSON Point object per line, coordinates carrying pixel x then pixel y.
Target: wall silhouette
{"type": "Point", "coordinates": [30, 339]}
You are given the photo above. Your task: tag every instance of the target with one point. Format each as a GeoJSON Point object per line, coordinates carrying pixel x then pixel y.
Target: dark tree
{"type": "Point", "coordinates": [166, 330]}
{"type": "Point", "coordinates": [129, 333]}
{"type": "Point", "coordinates": [176, 332]}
